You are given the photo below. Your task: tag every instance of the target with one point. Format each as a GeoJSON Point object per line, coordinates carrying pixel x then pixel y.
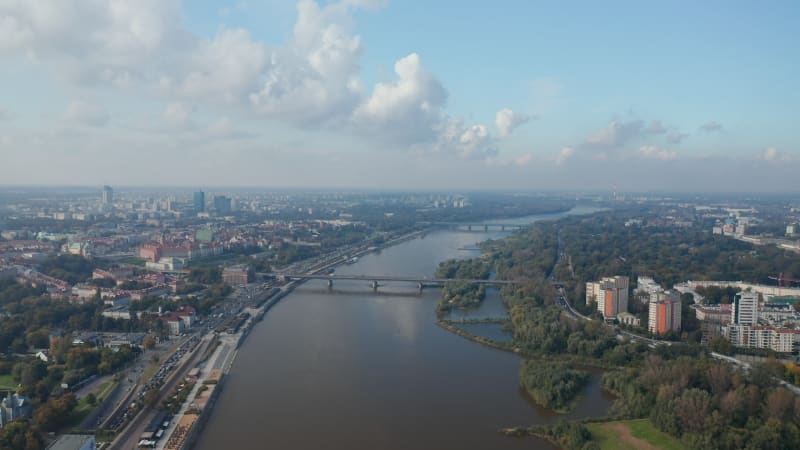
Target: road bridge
{"type": "Point", "coordinates": [375, 280]}
{"type": "Point", "coordinates": [476, 226]}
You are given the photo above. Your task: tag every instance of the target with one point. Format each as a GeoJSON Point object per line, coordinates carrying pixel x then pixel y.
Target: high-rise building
{"type": "Point", "coordinates": [108, 196]}
{"type": "Point", "coordinates": [611, 295]}
{"type": "Point", "coordinates": [664, 312]}
{"type": "Point", "coordinates": [222, 205]}
{"type": "Point", "coordinates": [745, 309]}
{"type": "Point", "coordinates": [199, 201]}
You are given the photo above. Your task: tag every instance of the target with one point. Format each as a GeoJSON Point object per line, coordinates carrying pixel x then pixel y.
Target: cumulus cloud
{"type": "Point", "coordinates": [506, 120]}
{"type": "Point", "coordinates": [653, 152]}
{"type": "Point", "coordinates": [615, 135]}
{"type": "Point", "coordinates": [311, 80]}
{"type": "Point", "coordinates": [86, 113]}
{"type": "Point", "coordinates": [710, 127]}
{"type": "Point", "coordinates": [315, 78]}
{"type": "Point", "coordinates": [414, 100]}
{"type": "Point", "coordinates": [409, 110]}
{"type": "Point", "coordinates": [90, 40]}
{"type": "Point", "coordinates": [564, 154]}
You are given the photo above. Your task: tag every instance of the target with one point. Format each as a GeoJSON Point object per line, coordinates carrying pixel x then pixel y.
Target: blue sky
{"type": "Point", "coordinates": [638, 95]}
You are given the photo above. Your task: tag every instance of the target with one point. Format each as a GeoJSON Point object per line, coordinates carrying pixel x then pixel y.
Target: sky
{"type": "Point", "coordinates": [511, 95]}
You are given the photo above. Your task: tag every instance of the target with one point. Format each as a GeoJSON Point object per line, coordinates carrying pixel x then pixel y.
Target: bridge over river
{"type": "Point", "coordinates": [375, 280]}
{"type": "Point", "coordinates": [483, 227]}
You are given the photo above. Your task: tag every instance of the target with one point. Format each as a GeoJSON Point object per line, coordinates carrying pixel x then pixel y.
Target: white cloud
{"type": "Point", "coordinates": [615, 135]}
{"type": "Point", "coordinates": [85, 113]}
{"type": "Point", "coordinates": [313, 79]}
{"type": "Point", "coordinates": [225, 69]}
{"type": "Point", "coordinates": [408, 108]}
{"type": "Point", "coordinates": [112, 41]}
{"type": "Point", "coordinates": [653, 152]}
{"type": "Point", "coordinates": [564, 154]}
{"type": "Point", "coordinates": [506, 120]}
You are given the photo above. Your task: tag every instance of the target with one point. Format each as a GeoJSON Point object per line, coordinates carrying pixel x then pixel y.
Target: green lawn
{"type": "Point", "coordinates": [625, 435]}
{"type": "Point", "coordinates": [7, 383]}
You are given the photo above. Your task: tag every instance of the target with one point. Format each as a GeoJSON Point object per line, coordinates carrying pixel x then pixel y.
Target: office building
{"type": "Point", "coordinates": [108, 196]}
{"type": "Point", "coordinates": [199, 201]}
{"type": "Point", "coordinates": [222, 205]}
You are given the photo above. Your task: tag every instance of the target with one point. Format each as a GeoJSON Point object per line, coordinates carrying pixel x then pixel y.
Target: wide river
{"type": "Point", "coordinates": [349, 368]}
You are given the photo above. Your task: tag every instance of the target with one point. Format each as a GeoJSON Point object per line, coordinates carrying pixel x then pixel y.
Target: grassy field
{"type": "Point", "coordinates": [631, 435]}
{"type": "Point", "coordinates": [7, 383]}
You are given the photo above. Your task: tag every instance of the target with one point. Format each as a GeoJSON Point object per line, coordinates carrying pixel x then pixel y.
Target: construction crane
{"type": "Point", "coordinates": [780, 279]}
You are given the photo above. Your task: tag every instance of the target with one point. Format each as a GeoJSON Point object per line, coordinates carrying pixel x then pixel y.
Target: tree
{"type": "Point", "coordinates": [18, 435]}
{"type": "Point", "coordinates": [780, 404]}
{"type": "Point", "coordinates": [91, 399]}
{"type": "Point", "coordinates": [151, 397]}
{"type": "Point", "coordinates": [148, 342]}
{"type": "Point", "coordinates": [691, 408]}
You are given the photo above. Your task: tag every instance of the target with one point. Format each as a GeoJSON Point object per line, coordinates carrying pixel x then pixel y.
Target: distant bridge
{"type": "Point", "coordinates": [477, 226]}
{"type": "Point", "coordinates": [375, 280]}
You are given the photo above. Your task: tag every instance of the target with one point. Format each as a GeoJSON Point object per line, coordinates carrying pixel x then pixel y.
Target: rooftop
{"type": "Point", "coordinates": [71, 442]}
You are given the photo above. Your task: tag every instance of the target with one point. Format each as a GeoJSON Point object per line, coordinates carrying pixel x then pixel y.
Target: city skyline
{"type": "Point", "coordinates": [623, 96]}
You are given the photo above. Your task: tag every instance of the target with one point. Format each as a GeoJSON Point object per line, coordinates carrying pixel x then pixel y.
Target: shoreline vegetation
{"type": "Point", "coordinates": [458, 294]}
{"type": "Point", "coordinates": [667, 397]}
{"type": "Point", "coordinates": [554, 386]}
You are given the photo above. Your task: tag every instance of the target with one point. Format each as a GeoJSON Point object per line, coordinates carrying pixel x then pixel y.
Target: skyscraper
{"type": "Point", "coordinates": [108, 196]}
{"type": "Point", "coordinates": [222, 205]}
{"type": "Point", "coordinates": [199, 201]}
